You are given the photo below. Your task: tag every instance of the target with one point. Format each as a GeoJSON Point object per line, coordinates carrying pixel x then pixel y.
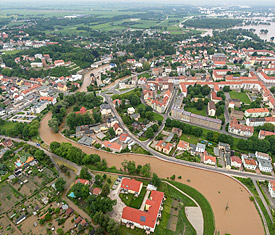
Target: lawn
{"type": "Point", "coordinates": [241, 96]}
{"type": "Point", "coordinates": [143, 138]}
{"type": "Point", "coordinates": [140, 150]}
{"type": "Point", "coordinates": [208, 216]}
{"type": "Point", "coordinates": [7, 125]}
{"type": "Point", "coordinates": [190, 138]}
{"type": "Point", "coordinates": [196, 111]}
{"type": "Point", "coordinates": [157, 117]}
{"type": "Point", "coordinates": [249, 184]}
{"type": "Point", "coordinates": [132, 201]}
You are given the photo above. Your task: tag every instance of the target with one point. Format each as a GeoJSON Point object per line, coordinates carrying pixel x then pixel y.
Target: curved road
{"type": "Point", "coordinates": [220, 189]}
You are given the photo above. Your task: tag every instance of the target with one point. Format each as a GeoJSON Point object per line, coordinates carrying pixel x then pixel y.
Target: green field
{"type": "Point", "coordinates": [241, 96]}
{"type": "Point", "coordinates": [196, 111]}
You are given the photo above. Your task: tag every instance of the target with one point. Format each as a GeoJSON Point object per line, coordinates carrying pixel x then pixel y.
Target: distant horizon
{"type": "Point", "coordinates": [225, 3]}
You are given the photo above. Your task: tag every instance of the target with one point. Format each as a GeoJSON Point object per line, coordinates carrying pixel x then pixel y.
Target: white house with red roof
{"type": "Point", "coordinates": [263, 134]}
{"type": "Point", "coordinates": [236, 161]}
{"type": "Point", "coordinates": [271, 188]}
{"type": "Point", "coordinates": [208, 159]}
{"type": "Point", "coordinates": [249, 163]}
{"type": "Point", "coordinates": [147, 219]}
{"type": "Point", "coordinates": [182, 145]}
{"type": "Point", "coordinates": [124, 138]}
{"type": "Point", "coordinates": [215, 98]}
{"type": "Point", "coordinates": [131, 186]}
{"type": "Point", "coordinates": [256, 112]}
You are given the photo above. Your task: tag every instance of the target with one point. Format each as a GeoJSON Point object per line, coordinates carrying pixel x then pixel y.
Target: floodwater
{"type": "Point", "coordinates": [234, 212]}
{"type": "Point", "coordinates": [267, 36]}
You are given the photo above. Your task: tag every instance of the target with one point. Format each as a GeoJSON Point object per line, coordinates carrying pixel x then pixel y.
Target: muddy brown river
{"type": "Point", "coordinates": [241, 216]}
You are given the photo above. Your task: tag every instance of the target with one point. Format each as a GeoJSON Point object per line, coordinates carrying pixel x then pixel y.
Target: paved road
{"type": "Point", "coordinates": [262, 198]}
{"type": "Point", "coordinates": [186, 163]}
{"type": "Point", "coordinates": [50, 154]}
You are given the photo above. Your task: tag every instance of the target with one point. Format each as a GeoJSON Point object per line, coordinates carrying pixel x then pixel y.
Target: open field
{"type": "Point", "coordinates": [196, 111]}
{"type": "Point", "coordinates": [241, 96]}
{"type": "Point", "coordinates": [220, 190]}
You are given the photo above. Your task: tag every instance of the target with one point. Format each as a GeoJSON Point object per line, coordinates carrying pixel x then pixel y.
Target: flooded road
{"type": "Point", "coordinates": [240, 217]}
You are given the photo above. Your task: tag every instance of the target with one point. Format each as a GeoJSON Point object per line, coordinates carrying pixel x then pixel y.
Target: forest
{"type": "Point", "coordinates": [212, 23]}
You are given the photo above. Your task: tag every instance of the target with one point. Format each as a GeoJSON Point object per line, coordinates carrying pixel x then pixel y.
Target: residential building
{"type": "Point", "coordinates": [148, 218]}
{"type": "Point", "coordinates": [183, 146]}
{"type": "Point", "coordinates": [208, 159]}
{"type": "Point", "coordinates": [181, 114]}
{"type": "Point", "coordinates": [118, 130]}
{"type": "Point", "coordinates": [263, 134]}
{"type": "Point", "coordinates": [82, 181]}
{"type": "Point", "coordinates": [265, 165]}
{"type": "Point", "coordinates": [113, 146]}
{"type": "Point", "coordinates": [86, 140]}
{"type": "Point", "coordinates": [256, 112]}
{"type": "Point", "coordinates": [235, 114]}
{"type": "Point", "coordinates": [211, 108]}
{"type": "Point", "coordinates": [83, 110]}
{"type": "Point", "coordinates": [239, 129]}
{"type": "Point", "coordinates": [39, 107]}
{"type": "Point", "coordinates": [236, 161]}
{"type": "Point", "coordinates": [249, 163]}
{"type": "Point", "coordinates": [177, 131]}
{"type": "Point", "coordinates": [130, 110]}
{"type": "Point", "coordinates": [264, 156]}
{"type": "Point", "coordinates": [200, 148]}
{"type": "Point", "coordinates": [131, 186]}
{"type": "Point", "coordinates": [271, 188]}
{"type": "Point", "coordinates": [163, 147]}
{"type": "Point", "coordinates": [105, 109]}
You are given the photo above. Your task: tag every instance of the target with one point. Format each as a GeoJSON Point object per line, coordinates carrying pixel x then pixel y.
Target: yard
{"type": "Point", "coordinates": [196, 111]}
{"type": "Point", "coordinates": [190, 138]}
{"type": "Point", "coordinates": [242, 96]}
{"type": "Point", "coordinates": [132, 201]}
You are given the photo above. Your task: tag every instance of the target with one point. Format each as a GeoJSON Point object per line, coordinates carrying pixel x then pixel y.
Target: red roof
{"type": "Point", "coordinates": [123, 137]}
{"type": "Point", "coordinates": [111, 145]}
{"type": "Point", "coordinates": [257, 110]}
{"type": "Point", "coordinates": [131, 184]}
{"type": "Point", "coordinates": [96, 191]}
{"type": "Point", "coordinates": [82, 110]}
{"type": "Point", "coordinates": [250, 162]}
{"type": "Point", "coordinates": [183, 144]}
{"type": "Point", "coordinates": [144, 218]}
{"type": "Point", "coordinates": [46, 98]}
{"type": "Point", "coordinates": [82, 181]}
{"type": "Point", "coordinates": [266, 133]}
{"type": "Point", "coordinates": [236, 159]}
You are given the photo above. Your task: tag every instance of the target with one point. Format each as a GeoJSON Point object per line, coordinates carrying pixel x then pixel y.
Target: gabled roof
{"type": "Point", "coordinates": [131, 184]}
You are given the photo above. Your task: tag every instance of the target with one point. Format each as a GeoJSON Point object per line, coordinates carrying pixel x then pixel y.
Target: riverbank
{"type": "Point", "coordinates": [220, 190]}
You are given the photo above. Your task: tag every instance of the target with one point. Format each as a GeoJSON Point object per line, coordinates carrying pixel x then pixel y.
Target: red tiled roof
{"type": "Point", "coordinates": [82, 110]}
{"type": "Point", "coordinates": [236, 159]}
{"type": "Point", "coordinates": [131, 184]}
{"type": "Point", "coordinates": [257, 110]}
{"type": "Point", "coordinates": [144, 218]}
{"type": "Point", "coordinates": [82, 181]}
{"type": "Point", "coordinates": [111, 145]}
{"type": "Point", "coordinates": [183, 144]}
{"type": "Point", "coordinates": [123, 137]}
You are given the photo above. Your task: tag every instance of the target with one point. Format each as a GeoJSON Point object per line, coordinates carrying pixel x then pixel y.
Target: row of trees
{"type": "Point", "coordinates": [74, 154]}
{"type": "Point", "coordinates": [132, 169]}
{"type": "Point", "coordinates": [21, 130]}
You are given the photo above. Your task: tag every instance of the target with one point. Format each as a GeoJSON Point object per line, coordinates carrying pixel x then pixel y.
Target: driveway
{"type": "Point", "coordinates": [118, 208]}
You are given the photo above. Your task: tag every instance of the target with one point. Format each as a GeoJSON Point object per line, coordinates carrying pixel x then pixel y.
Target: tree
{"type": "Point", "coordinates": [60, 231]}
{"type": "Point", "coordinates": [149, 133]}
{"type": "Point", "coordinates": [48, 217]}
{"type": "Point", "coordinates": [131, 167]}
{"type": "Point", "coordinates": [156, 180]}
{"type": "Point", "coordinates": [272, 89]}
{"type": "Point", "coordinates": [60, 185]}
{"type": "Point", "coordinates": [105, 190]}
{"type": "Point", "coordinates": [146, 170]}
{"type": "Point", "coordinates": [99, 231]}
{"type": "Point", "coordinates": [155, 127]}
{"type": "Point", "coordinates": [112, 132]}
{"type": "Point", "coordinates": [84, 173]}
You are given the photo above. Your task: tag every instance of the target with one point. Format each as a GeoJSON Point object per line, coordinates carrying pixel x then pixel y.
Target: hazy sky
{"type": "Point", "coordinates": [147, 2]}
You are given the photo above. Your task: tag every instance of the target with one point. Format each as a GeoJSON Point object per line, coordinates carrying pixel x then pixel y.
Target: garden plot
{"type": "Point", "coordinates": [8, 197]}
{"type": "Point", "coordinates": [6, 227]}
